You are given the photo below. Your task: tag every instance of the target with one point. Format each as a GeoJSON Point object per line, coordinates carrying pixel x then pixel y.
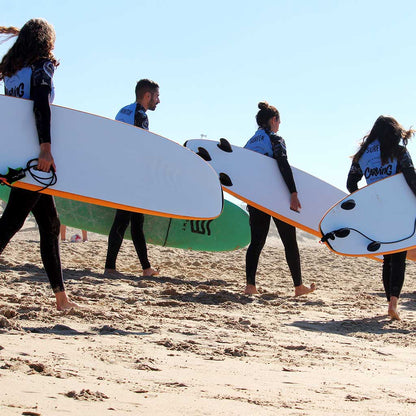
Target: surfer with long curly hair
{"type": "Point", "coordinates": [27, 70]}
{"type": "Point", "coordinates": [268, 143]}
{"type": "Point", "coordinates": [381, 155]}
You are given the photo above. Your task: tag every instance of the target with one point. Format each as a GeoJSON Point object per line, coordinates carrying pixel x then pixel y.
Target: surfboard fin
{"type": "Point", "coordinates": [342, 232]}
{"type": "Point", "coordinates": [224, 145]}
{"type": "Point", "coordinates": [202, 152]}
{"type": "Point", "coordinates": [225, 179]}
{"type": "Point", "coordinates": [348, 204]}
{"type": "Point", "coordinates": [373, 246]}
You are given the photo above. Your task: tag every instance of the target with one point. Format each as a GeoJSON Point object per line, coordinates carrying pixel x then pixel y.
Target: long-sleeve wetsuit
{"type": "Point", "coordinates": [132, 114]}
{"type": "Point", "coordinates": [269, 144]}
{"type": "Point", "coordinates": [371, 167]}
{"type": "Point", "coordinates": [35, 82]}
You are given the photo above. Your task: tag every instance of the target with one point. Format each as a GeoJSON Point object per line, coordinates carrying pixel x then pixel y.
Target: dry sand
{"type": "Point", "coordinates": [191, 343]}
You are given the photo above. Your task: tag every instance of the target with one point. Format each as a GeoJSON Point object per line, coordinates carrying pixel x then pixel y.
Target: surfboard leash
{"type": "Point", "coordinates": [373, 246]}
{"type": "Point", "coordinates": [11, 176]}
{"type": "Point", "coordinates": [14, 175]}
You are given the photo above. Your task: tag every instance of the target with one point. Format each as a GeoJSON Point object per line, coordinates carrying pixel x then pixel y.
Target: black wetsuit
{"type": "Point", "coordinates": [132, 114]}
{"type": "Point", "coordinates": [35, 83]}
{"type": "Point", "coordinates": [394, 265]}
{"type": "Point", "coordinates": [270, 144]}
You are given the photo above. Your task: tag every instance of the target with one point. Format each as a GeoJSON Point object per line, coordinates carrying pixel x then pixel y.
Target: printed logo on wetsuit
{"type": "Point", "coordinates": [385, 170]}
{"type": "Point", "coordinates": [372, 149]}
{"type": "Point", "coordinates": [371, 166]}
{"type": "Point", "coordinates": [145, 124]}
{"type": "Point", "coordinates": [257, 138]}
{"type": "Point", "coordinates": [17, 91]}
{"type": "Point", "coordinates": [49, 69]}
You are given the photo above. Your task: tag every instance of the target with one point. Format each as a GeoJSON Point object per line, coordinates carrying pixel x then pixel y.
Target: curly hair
{"type": "Point", "coordinates": [35, 40]}
{"type": "Point", "coordinates": [389, 133]}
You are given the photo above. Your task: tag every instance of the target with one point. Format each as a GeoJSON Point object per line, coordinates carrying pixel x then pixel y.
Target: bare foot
{"type": "Point", "coordinates": [392, 311]}
{"type": "Point", "coordinates": [251, 290]}
{"type": "Point", "coordinates": [63, 303]}
{"type": "Point", "coordinates": [304, 290]}
{"type": "Point", "coordinates": [394, 315]}
{"type": "Point", "coordinates": [150, 272]}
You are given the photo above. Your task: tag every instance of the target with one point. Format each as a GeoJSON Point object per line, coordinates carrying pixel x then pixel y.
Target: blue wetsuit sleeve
{"type": "Point", "coordinates": [354, 176]}
{"type": "Point", "coordinates": [279, 154]}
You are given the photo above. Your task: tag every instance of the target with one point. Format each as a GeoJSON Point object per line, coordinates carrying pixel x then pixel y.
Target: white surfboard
{"type": "Point", "coordinates": [377, 219]}
{"type": "Point", "coordinates": [256, 179]}
{"type": "Point", "coordinates": [110, 163]}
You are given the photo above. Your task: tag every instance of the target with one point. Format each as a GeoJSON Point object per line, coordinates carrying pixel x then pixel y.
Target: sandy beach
{"type": "Point", "coordinates": [189, 342]}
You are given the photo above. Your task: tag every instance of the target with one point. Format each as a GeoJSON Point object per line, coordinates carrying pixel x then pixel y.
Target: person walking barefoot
{"type": "Point", "coordinates": [27, 70]}
{"type": "Point", "coordinates": [267, 142]}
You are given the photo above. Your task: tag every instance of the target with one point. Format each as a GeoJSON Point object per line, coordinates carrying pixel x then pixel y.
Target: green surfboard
{"type": "Point", "coordinates": [230, 231]}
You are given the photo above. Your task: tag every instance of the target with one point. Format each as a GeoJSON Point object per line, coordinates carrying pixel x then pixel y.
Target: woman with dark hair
{"type": "Point", "coordinates": [27, 70]}
{"type": "Point", "coordinates": [380, 155]}
{"type": "Point", "coordinates": [268, 143]}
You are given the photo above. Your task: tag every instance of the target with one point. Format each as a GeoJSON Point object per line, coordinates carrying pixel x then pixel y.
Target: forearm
{"type": "Point", "coordinates": [410, 176]}
{"type": "Point", "coordinates": [287, 174]}
{"type": "Point", "coordinates": [42, 111]}
{"type": "Point", "coordinates": [354, 176]}
{"type": "Point", "coordinates": [352, 182]}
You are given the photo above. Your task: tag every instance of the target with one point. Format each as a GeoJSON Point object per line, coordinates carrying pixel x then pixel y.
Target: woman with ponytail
{"type": "Point", "coordinates": [380, 155]}
{"type": "Point", "coordinates": [27, 70]}
{"type": "Point", "coordinates": [267, 142]}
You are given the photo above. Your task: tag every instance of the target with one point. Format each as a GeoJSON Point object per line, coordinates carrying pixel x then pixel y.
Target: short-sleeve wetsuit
{"type": "Point", "coordinates": [35, 83]}
{"type": "Point", "coordinates": [132, 114]}
{"type": "Point", "coordinates": [269, 144]}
